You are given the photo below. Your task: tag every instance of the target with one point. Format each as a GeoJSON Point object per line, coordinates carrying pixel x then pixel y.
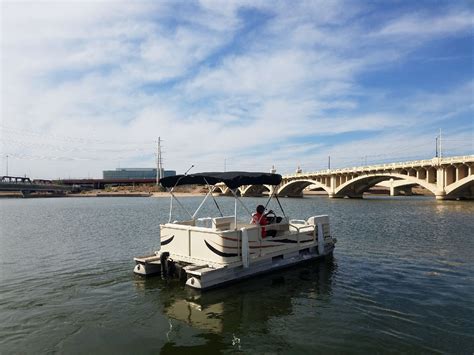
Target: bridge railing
{"type": "Point", "coordinates": [397, 165]}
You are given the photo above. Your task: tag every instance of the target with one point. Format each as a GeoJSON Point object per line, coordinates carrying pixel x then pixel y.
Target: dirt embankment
{"type": "Point", "coordinates": [142, 191]}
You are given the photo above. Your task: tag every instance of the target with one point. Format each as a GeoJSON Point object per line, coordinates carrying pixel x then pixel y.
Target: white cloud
{"type": "Point", "coordinates": [88, 85]}
{"type": "Point", "coordinates": [422, 24]}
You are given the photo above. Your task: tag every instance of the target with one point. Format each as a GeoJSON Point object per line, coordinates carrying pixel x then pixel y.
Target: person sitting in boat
{"type": "Point", "coordinates": [262, 219]}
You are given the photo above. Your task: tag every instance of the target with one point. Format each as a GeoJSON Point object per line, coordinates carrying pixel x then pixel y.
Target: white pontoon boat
{"type": "Point", "coordinates": [210, 251]}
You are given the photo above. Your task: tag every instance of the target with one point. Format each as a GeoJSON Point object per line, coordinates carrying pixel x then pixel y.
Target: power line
{"type": "Point", "coordinates": [68, 139]}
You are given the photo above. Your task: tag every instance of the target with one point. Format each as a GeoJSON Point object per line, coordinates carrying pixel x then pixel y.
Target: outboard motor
{"type": "Point", "coordinates": [164, 264]}
{"type": "Point", "coordinates": [170, 268]}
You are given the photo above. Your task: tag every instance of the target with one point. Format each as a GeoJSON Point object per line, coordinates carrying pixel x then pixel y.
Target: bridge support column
{"type": "Point", "coordinates": [440, 183]}
{"type": "Point", "coordinates": [332, 187]}
{"type": "Point", "coordinates": [393, 190]}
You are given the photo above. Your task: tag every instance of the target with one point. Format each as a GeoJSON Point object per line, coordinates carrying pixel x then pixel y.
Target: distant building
{"type": "Point", "coordinates": [135, 173]}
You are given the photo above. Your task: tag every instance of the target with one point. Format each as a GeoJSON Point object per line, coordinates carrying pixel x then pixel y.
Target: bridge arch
{"type": "Point", "coordinates": [224, 190]}
{"type": "Point", "coordinates": [357, 186]}
{"type": "Point", "coordinates": [453, 189]}
{"type": "Point", "coordinates": [255, 190]}
{"type": "Point", "coordinates": [220, 189]}
{"type": "Point", "coordinates": [296, 187]}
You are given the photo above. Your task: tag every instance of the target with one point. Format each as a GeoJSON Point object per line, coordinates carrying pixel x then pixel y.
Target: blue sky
{"type": "Point", "coordinates": [89, 86]}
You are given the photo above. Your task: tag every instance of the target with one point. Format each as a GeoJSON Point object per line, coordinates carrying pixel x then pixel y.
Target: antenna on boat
{"type": "Point", "coordinates": [185, 174]}
{"type": "Point", "coordinates": [187, 171]}
{"type": "Point", "coordinates": [173, 197]}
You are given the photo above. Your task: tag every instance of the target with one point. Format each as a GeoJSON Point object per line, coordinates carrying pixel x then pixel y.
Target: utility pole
{"type": "Point", "coordinates": [159, 162]}
{"type": "Point", "coordinates": [440, 152]}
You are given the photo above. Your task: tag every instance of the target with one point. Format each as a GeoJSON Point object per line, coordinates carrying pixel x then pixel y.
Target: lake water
{"type": "Point", "coordinates": [401, 280]}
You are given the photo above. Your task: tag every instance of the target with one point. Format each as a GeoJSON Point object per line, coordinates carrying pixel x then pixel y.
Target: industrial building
{"type": "Point", "coordinates": [135, 173]}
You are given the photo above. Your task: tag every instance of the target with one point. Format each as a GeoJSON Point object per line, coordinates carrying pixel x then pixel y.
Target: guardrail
{"type": "Point", "coordinates": [408, 164]}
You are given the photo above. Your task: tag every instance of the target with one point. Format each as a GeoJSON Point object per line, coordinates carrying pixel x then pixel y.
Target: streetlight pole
{"type": "Point", "coordinates": [159, 163]}
{"type": "Point", "coordinates": [7, 164]}
{"type": "Point", "coordinates": [440, 151]}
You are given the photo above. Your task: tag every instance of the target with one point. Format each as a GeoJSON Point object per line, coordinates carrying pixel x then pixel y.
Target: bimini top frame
{"type": "Point", "coordinates": [232, 179]}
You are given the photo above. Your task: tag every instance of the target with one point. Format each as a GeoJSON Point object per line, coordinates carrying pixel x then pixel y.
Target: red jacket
{"type": "Point", "coordinates": [261, 219]}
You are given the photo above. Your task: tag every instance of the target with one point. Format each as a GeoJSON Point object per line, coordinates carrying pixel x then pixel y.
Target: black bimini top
{"type": "Point", "coordinates": [233, 179]}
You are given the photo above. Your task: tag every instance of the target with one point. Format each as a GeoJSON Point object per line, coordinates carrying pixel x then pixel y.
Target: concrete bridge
{"type": "Point", "coordinates": [446, 178]}
{"type": "Point", "coordinates": [25, 186]}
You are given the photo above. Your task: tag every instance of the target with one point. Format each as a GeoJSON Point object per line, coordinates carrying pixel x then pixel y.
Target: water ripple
{"type": "Point", "coordinates": [401, 281]}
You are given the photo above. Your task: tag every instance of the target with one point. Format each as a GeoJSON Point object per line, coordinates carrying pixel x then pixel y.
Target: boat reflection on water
{"type": "Point", "coordinates": [240, 305]}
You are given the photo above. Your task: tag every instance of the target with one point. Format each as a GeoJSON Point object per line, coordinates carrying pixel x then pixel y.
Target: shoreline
{"type": "Point", "coordinates": [136, 194]}
{"type": "Point", "coordinates": [89, 194]}
{"type": "Point", "coordinates": [155, 195]}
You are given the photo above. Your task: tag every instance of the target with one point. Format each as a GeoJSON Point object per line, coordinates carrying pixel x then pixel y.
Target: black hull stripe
{"type": "Point", "coordinates": [215, 251]}
{"type": "Point", "coordinates": [167, 241]}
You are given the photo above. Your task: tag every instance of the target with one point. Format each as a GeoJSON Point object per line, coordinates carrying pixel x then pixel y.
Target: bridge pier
{"type": "Point", "coordinates": [441, 176]}
{"type": "Point", "coordinates": [393, 190]}
{"type": "Point", "coordinates": [398, 186]}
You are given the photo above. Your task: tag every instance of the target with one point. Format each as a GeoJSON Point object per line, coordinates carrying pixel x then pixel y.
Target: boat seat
{"type": "Point", "coordinates": [222, 223]}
